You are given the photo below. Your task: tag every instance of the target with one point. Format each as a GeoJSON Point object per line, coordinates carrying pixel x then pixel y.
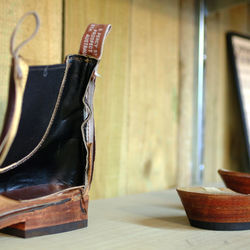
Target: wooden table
{"type": "Point", "coordinates": [143, 221]}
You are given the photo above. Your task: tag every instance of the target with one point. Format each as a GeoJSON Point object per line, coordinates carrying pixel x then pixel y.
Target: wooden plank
{"type": "Point", "coordinates": [136, 102]}
{"type": "Point", "coordinates": [224, 143]}
{"type": "Point", "coordinates": [110, 173]}
{"type": "Point", "coordinates": [153, 95]}
{"type": "Point", "coordinates": [45, 48]}
{"type": "Point", "coordinates": [186, 91]}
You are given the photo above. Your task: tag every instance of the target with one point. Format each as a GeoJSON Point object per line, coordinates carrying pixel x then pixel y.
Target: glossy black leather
{"type": "Point", "coordinates": [61, 159]}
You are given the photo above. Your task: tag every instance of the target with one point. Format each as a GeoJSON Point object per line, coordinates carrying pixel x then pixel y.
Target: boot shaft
{"type": "Point", "coordinates": [51, 120]}
{"type": "Point", "coordinates": [54, 142]}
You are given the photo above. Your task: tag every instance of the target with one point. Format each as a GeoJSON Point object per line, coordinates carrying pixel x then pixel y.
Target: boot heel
{"type": "Point", "coordinates": [66, 215]}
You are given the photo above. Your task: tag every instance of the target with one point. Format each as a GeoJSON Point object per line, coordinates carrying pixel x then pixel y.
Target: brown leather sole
{"type": "Point", "coordinates": [216, 208]}
{"type": "Point", "coordinates": [54, 214]}
{"type": "Point", "coordinates": [18, 229]}
{"type": "Point", "coordinates": [237, 181]}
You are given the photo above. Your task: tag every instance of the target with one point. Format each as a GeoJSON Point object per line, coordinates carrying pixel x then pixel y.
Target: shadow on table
{"type": "Point", "coordinates": [154, 216]}
{"type": "Point", "coordinates": [169, 222]}
{"type": "Point", "coordinates": [174, 206]}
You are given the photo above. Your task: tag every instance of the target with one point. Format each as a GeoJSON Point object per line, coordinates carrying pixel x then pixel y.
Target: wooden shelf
{"type": "Point", "coordinates": [144, 221]}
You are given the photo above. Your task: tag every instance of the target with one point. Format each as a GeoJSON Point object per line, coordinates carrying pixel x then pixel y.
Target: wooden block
{"type": "Point", "coordinates": [153, 95]}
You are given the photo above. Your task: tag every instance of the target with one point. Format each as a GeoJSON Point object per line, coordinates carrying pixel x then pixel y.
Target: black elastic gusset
{"type": "Point", "coordinates": [62, 157]}
{"type": "Point", "coordinates": [39, 100]}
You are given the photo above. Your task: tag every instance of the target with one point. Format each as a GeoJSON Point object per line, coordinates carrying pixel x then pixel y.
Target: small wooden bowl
{"type": "Point", "coordinates": [216, 208]}
{"type": "Point", "coordinates": [237, 181]}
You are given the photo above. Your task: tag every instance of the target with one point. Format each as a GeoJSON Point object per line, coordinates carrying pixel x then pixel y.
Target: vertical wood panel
{"type": "Point", "coordinates": [45, 48]}
{"type": "Point", "coordinates": [136, 102]}
{"type": "Point", "coordinates": [224, 143]}
{"type": "Point", "coordinates": [110, 173]}
{"type": "Point", "coordinates": [188, 58]}
{"type": "Point", "coordinates": [153, 95]}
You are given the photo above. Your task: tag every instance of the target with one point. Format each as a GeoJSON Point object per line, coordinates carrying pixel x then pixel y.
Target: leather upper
{"type": "Point", "coordinates": [52, 106]}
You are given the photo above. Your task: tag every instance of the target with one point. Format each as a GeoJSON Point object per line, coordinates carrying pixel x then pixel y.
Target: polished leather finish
{"type": "Point", "coordinates": [62, 157]}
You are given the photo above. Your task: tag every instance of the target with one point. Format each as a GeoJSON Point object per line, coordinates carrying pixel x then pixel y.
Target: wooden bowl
{"type": "Point", "coordinates": [237, 181]}
{"type": "Point", "coordinates": [216, 208]}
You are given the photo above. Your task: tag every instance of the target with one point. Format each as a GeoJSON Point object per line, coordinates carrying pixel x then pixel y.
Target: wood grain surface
{"type": "Point", "coordinates": [187, 80]}
{"type": "Point", "coordinates": [144, 99]}
{"type": "Point", "coordinates": [136, 101]}
{"type": "Point", "coordinates": [153, 96]}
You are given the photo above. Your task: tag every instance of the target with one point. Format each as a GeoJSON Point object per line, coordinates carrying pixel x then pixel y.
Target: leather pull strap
{"type": "Point", "coordinates": [93, 40]}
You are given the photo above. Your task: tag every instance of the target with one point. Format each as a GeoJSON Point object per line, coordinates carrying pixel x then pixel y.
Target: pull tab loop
{"type": "Point", "coordinates": [93, 40]}
{"type": "Point", "coordinates": [15, 52]}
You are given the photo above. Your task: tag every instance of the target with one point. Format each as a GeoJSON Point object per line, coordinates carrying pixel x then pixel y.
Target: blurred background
{"type": "Point", "coordinates": [166, 107]}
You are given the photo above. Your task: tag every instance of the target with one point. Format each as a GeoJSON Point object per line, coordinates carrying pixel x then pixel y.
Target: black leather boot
{"type": "Point", "coordinates": [47, 165]}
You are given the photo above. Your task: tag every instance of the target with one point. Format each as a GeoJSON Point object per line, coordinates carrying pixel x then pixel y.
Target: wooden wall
{"type": "Point", "coordinates": [136, 99]}
{"type": "Point", "coordinates": [224, 143]}
{"type": "Point", "coordinates": [140, 123]}
{"type": "Point", "coordinates": [187, 81]}
{"type": "Point", "coordinates": [145, 96]}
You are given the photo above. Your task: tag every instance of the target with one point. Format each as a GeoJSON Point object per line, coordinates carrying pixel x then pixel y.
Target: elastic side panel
{"type": "Point", "coordinates": [40, 96]}
{"type": "Point", "coordinates": [61, 157]}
